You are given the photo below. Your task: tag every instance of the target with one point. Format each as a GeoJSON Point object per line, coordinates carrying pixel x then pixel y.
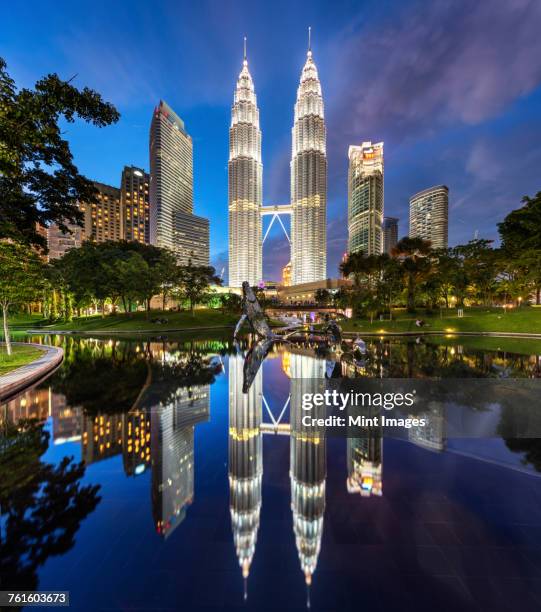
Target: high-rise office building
{"type": "Point", "coordinates": [245, 184]}
{"type": "Point", "coordinates": [135, 204]}
{"type": "Point", "coordinates": [171, 186]}
{"type": "Point", "coordinates": [309, 180]}
{"type": "Point", "coordinates": [191, 238]}
{"type": "Point", "coordinates": [365, 198]}
{"type": "Point", "coordinates": [429, 215]}
{"type": "Point", "coordinates": [390, 234]}
{"type": "Point", "coordinates": [103, 218]}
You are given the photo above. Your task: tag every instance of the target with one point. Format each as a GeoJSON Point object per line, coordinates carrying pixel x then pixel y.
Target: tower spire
{"type": "Point", "coordinates": [309, 40]}
{"type": "Point", "coordinates": [245, 49]}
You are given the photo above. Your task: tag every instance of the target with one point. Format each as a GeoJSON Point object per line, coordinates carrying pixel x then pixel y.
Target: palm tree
{"type": "Point", "coordinates": [413, 254]}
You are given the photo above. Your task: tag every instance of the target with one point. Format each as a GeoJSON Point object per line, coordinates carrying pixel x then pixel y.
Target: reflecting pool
{"type": "Point", "coordinates": [148, 474]}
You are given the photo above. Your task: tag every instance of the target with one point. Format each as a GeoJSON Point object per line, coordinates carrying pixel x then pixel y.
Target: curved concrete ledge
{"type": "Point", "coordinates": [31, 373]}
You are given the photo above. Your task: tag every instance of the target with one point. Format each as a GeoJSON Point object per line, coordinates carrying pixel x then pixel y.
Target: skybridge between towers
{"type": "Point", "coordinates": [276, 211]}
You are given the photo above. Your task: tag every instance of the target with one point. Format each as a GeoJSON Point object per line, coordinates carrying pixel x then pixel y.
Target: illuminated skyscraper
{"type": "Point", "coordinates": [245, 461]}
{"type": "Point", "coordinates": [308, 180]}
{"type": "Point", "coordinates": [245, 184]}
{"type": "Point", "coordinates": [172, 222]}
{"type": "Point", "coordinates": [365, 198]}
{"type": "Point", "coordinates": [134, 200]}
{"type": "Point", "coordinates": [103, 218]}
{"type": "Point", "coordinates": [429, 215]}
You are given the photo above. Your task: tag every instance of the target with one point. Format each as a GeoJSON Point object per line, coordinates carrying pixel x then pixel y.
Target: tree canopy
{"type": "Point", "coordinates": [39, 182]}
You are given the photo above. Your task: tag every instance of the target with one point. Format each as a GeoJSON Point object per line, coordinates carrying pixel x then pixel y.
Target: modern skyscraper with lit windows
{"type": "Point", "coordinates": [429, 215]}
{"type": "Point", "coordinates": [135, 204]}
{"type": "Point", "coordinates": [365, 198]}
{"type": "Point", "coordinates": [309, 180]}
{"type": "Point", "coordinates": [172, 222]}
{"type": "Point", "coordinates": [245, 171]}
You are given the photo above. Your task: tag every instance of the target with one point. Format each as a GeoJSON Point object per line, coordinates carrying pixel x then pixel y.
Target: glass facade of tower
{"type": "Point", "coordinates": [308, 181]}
{"type": "Point", "coordinates": [172, 223]}
{"type": "Point", "coordinates": [365, 198]}
{"type": "Point", "coordinates": [103, 218]}
{"type": "Point", "coordinates": [245, 185]}
{"type": "Point", "coordinates": [429, 215]}
{"type": "Point", "coordinates": [135, 204]}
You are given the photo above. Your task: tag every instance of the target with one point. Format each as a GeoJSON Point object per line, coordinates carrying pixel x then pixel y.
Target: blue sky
{"type": "Point", "coordinates": [453, 88]}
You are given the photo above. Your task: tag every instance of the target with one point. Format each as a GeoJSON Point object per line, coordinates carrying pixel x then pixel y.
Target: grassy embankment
{"type": "Point", "coordinates": [21, 355]}
{"type": "Point", "coordinates": [521, 320]}
{"type": "Point", "coordinates": [138, 321]}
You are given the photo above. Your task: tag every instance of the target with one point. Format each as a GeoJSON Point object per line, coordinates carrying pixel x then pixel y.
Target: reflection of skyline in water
{"type": "Point", "coordinates": [158, 435]}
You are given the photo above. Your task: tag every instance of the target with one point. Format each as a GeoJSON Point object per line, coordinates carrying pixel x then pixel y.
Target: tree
{"type": "Point", "coordinates": [43, 505]}
{"type": "Point", "coordinates": [194, 281]}
{"type": "Point", "coordinates": [39, 183]}
{"type": "Point", "coordinates": [481, 266]}
{"type": "Point", "coordinates": [413, 255]}
{"type": "Point", "coordinates": [323, 297]}
{"type": "Point", "coordinates": [20, 279]}
{"type": "Point", "coordinates": [231, 303]}
{"type": "Point", "coordinates": [521, 229]}
{"type": "Point", "coordinates": [520, 233]}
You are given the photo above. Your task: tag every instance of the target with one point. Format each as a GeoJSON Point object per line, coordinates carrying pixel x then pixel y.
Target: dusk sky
{"type": "Point", "coordinates": [453, 88]}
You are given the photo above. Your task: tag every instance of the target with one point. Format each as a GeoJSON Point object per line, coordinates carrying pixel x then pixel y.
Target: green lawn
{"type": "Point", "coordinates": [138, 321]}
{"type": "Point", "coordinates": [20, 356]}
{"type": "Point", "coordinates": [523, 320]}
{"type": "Point", "coordinates": [25, 320]}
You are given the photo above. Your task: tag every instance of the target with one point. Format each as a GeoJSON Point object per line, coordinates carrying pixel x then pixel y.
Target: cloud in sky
{"type": "Point", "coordinates": [432, 64]}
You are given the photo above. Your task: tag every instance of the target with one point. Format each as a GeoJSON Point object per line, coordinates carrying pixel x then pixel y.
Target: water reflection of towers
{"type": "Point", "coordinates": [245, 461]}
{"type": "Point", "coordinates": [308, 463]}
{"type": "Point", "coordinates": [172, 427]}
{"type": "Point", "coordinates": [365, 461]}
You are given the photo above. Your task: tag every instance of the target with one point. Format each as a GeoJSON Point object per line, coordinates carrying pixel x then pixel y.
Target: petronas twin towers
{"type": "Point", "coordinates": [308, 182]}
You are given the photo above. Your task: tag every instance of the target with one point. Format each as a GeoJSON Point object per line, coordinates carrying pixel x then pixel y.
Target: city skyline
{"type": "Point", "coordinates": [447, 129]}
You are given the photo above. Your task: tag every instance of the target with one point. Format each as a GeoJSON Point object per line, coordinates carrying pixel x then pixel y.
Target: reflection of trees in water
{"type": "Point", "coordinates": [392, 358]}
{"type": "Point", "coordinates": [515, 421]}
{"type": "Point", "coordinates": [42, 505]}
{"type": "Point", "coordinates": [109, 376]}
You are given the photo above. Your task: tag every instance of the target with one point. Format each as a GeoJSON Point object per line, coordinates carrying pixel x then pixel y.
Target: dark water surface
{"type": "Point", "coordinates": [139, 476]}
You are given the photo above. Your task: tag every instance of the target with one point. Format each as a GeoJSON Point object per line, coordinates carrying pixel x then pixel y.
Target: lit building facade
{"type": "Point", "coordinates": [245, 171]}
{"type": "Point", "coordinates": [191, 236]}
{"type": "Point", "coordinates": [135, 204]}
{"type": "Point", "coordinates": [390, 234]}
{"type": "Point", "coordinates": [286, 275]}
{"type": "Point", "coordinates": [429, 216]}
{"type": "Point", "coordinates": [365, 198]}
{"type": "Point", "coordinates": [171, 174]}
{"type": "Point", "coordinates": [103, 218]}
{"type": "Point", "coordinates": [309, 180]}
